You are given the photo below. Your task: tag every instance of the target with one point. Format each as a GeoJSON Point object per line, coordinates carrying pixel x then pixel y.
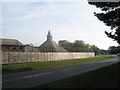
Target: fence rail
{"type": "Point", "coordinates": [23, 57]}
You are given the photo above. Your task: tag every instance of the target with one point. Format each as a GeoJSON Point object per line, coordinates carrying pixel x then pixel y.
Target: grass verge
{"type": "Point", "coordinates": [106, 77]}
{"type": "Point", "coordinates": [15, 68]}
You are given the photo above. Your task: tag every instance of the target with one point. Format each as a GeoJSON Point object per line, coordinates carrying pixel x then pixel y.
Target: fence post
{"type": "Point", "coordinates": [3, 58]}
{"type": "Point", "coordinates": [8, 58]}
{"type": "Point", "coordinates": [18, 57]}
{"type": "Point", "coordinates": [39, 56]}
{"type": "Point", "coordinates": [22, 57]}
{"type": "Point", "coordinates": [13, 57]}
{"type": "Point", "coordinates": [34, 57]}
{"type": "Point", "coordinates": [26, 55]}
{"type": "Point", "coordinates": [47, 56]}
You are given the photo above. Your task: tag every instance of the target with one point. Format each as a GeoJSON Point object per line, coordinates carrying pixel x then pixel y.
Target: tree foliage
{"type": "Point", "coordinates": [114, 50]}
{"type": "Point", "coordinates": [110, 16]}
{"type": "Point", "coordinates": [80, 46]}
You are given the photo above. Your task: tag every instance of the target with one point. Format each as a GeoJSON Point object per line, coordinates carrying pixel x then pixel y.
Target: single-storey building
{"type": "Point", "coordinates": [51, 46]}
{"type": "Point", "coordinates": [11, 45]}
{"type": "Point", "coordinates": [29, 48]}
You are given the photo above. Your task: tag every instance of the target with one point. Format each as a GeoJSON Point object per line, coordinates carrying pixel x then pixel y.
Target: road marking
{"type": "Point", "coordinates": [27, 76]}
{"type": "Point", "coordinates": [10, 80]}
{"type": "Point", "coordinates": [37, 75]}
{"type": "Point", "coordinates": [68, 69]}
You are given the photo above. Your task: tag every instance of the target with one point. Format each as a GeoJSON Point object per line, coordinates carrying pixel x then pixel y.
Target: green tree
{"type": "Point", "coordinates": [66, 45]}
{"type": "Point", "coordinates": [63, 43]}
{"type": "Point", "coordinates": [95, 49]}
{"type": "Point", "coordinates": [79, 45]}
{"type": "Point", "coordinates": [111, 17]}
{"type": "Point", "coordinates": [114, 50]}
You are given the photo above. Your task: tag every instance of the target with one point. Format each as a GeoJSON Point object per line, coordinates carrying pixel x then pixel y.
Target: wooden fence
{"type": "Point", "coordinates": [23, 57]}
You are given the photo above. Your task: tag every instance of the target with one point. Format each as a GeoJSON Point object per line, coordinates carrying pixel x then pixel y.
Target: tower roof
{"type": "Point", "coordinates": [49, 35]}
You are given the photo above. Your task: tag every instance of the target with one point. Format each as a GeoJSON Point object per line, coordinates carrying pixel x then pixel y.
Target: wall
{"type": "Point", "coordinates": [22, 57]}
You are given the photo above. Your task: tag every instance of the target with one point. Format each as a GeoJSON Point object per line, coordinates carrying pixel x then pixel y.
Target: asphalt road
{"type": "Point", "coordinates": [34, 78]}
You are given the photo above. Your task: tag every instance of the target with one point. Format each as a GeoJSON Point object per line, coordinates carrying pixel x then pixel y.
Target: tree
{"type": "Point", "coordinates": [78, 46]}
{"type": "Point", "coordinates": [111, 17]}
{"type": "Point", "coordinates": [114, 50]}
{"type": "Point", "coordinates": [102, 52]}
{"type": "Point", "coordinates": [66, 45]}
{"type": "Point", "coordinates": [63, 42]}
{"type": "Point", "coordinates": [95, 49]}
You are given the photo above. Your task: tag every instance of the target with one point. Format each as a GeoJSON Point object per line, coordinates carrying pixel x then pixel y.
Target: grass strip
{"type": "Point", "coordinates": [106, 77]}
{"type": "Point", "coordinates": [15, 68]}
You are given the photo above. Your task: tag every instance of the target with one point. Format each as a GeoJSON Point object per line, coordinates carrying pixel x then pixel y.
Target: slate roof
{"type": "Point", "coordinates": [10, 42]}
{"type": "Point", "coordinates": [51, 46]}
{"type": "Point", "coordinates": [29, 48]}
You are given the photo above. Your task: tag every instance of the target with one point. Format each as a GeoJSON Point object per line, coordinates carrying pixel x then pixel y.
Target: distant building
{"type": "Point", "coordinates": [50, 46]}
{"type": "Point", "coordinates": [11, 45]}
{"type": "Point", "coordinates": [29, 48]}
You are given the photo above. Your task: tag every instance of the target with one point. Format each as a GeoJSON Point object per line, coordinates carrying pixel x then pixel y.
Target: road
{"type": "Point", "coordinates": [33, 78]}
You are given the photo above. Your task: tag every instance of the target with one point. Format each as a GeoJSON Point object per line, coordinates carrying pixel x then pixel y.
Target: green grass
{"type": "Point", "coordinates": [15, 68]}
{"type": "Point", "coordinates": [106, 77]}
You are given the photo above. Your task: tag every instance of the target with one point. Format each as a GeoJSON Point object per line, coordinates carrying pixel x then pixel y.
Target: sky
{"type": "Point", "coordinates": [29, 22]}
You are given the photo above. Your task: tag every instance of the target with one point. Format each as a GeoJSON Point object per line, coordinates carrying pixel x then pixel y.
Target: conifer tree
{"type": "Point", "coordinates": [110, 17]}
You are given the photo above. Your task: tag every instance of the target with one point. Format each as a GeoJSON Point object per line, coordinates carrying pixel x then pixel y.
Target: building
{"type": "Point", "coordinates": [29, 48]}
{"type": "Point", "coordinates": [50, 46]}
{"type": "Point", "coordinates": [11, 45]}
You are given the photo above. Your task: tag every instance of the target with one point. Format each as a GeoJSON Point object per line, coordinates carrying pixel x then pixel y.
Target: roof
{"type": "Point", "coordinates": [31, 49]}
{"type": "Point", "coordinates": [11, 42]}
{"type": "Point", "coordinates": [49, 35]}
{"type": "Point", "coordinates": [51, 46]}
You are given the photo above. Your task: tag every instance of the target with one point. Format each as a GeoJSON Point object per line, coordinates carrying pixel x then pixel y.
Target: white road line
{"type": "Point", "coordinates": [68, 69]}
{"type": "Point", "coordinates": [28, 76]}
{"type": "Point", "coordinates": [37, 75]}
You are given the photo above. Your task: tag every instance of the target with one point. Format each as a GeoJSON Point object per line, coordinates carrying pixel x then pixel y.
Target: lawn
{"type": "Point", "coordinates": [15, 68]}
{"type": "Point", "coordinates": [106, 77]}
